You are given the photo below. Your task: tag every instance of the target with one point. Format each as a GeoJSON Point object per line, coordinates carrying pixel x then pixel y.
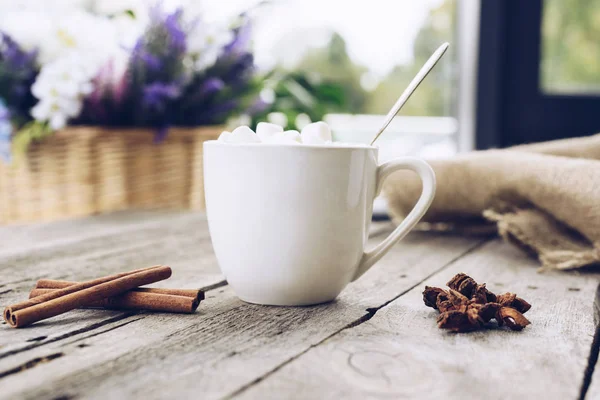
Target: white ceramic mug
{"type": "Point", "coordinates": [289, 223]}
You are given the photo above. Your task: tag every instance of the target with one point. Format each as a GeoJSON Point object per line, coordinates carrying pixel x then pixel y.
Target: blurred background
{"type": "Point", "coordinates": [516, 71]}
{"type": "Point", "coordinates": [342, 62]}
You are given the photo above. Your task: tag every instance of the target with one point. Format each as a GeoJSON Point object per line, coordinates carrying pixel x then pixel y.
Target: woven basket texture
{"type": "Point", "coordinates": [81, 171]}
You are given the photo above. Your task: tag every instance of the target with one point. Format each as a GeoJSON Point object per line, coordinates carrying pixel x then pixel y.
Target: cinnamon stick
{"type": "Point", "coordinates": [81, 294]}
{"type": "Point", "coordinates": [56, 284]}
{"type": "Point", "coordinates": [145, 299]}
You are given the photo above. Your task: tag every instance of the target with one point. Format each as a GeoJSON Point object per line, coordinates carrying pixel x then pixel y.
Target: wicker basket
{"type": "Point", "coordinates": [88, 170]}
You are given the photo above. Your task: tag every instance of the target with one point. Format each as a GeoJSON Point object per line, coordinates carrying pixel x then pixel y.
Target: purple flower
{"type": "Point", "coordinates": [102, 81]}
{"type": "Point", "coordinates": [211, 86]}
{"type": "Point", "coordinates": [159, 90]}
{"type": "Point", "coordinates": [5, 133]}
{"type": "Point", "coordinates": [18, 70]}
{"type": "Point", "coordinates": [175, 32]}
{"type": "Point", "coordinates": [157, 95]}
{"type": "Point", "coordinates": [257, 107]}
{"type": "Point", "coordinates": [224, 107]}
{"type": "Point", "coordinates": [12, 54]}
{"type": "Point", "coordinates": [105, 96]}
{"type": "Point", "coordinates": [153, 63]}
{"type": "Point", "coordinates": [241, 40]}
{"type": "Point", "coordinates": [172, 26]}
{"type": "Point", "coordinates": [161, 48]}
{"type": "Point", "coordinates": [241, 69]}
{"type": "Point", "coordinates": [140, 54]}
{"type": "Point", "coordinates": [236, 59]}
{"type": "Point", "coordinates": [4, 114]}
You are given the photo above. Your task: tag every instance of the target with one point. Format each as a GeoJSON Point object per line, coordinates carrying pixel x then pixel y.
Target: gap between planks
{"type": "Point", "coordinates": [588, 381]}
{"type": "Point", "coordinates": [400, 353]}
{"type": "Point", "coordinates": [420, 260]}
{"type": "Point", "coordinates": [590, 387]}
{"type": "Point", "coordinates": [370, 314]}
{"type": "Point", "coordinates": [378, 229]}
{"type": "Point", "coordinates": [187, 248]}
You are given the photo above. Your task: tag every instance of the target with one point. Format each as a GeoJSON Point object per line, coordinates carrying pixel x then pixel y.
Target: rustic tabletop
{"type": "Point", "coordinates": [377, 340]}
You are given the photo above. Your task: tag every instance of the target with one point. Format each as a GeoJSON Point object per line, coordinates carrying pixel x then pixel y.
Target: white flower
{"type": "Point", "coordinates": [57, 34]}
{"type": "Point", "coordinates": [61, 87]}
{"type": "Point", "coordinates": [129, 29]}
{"type": "Point", "coordinates": [81, 32]}
{"type": "Point", "coordinates": [116, 7]}
{"type": "Point", "coordinates": [28, 28]}
{"type": "Point", "coordinates": [205, 42]}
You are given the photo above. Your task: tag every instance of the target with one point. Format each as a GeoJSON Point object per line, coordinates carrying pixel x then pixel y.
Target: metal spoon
{"type": "Point", "coordinates": [412, 86]}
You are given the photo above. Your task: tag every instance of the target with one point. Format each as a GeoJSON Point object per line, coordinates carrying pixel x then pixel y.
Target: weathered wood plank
{"type": "Point", "coordinates": [400, 353]}
{"type": "Point", "coordinates": [591, 384]}
{"type": "Point", "coordinates": [14, 238]}
{"type": "Point", "coordinates": [226, 346]}
{"type": "Point", "coordinates": [86, 257]}
{"type": "Point", "coordinates": [181, 241]}
{"type": "Point", "coordinates": [180, 238]}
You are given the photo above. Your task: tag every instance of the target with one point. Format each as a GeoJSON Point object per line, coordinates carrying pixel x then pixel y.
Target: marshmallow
{"type": "Point", "coordinates": [292, 135]}
{"type": "Point", "coordinates": [241, 134]}
{"type": "Point", "coordinates": [225, 136]}
{"type": "Point", "coordinates": [287, 137]}
{"type": "Point", "coordinates": [316, 133]}
{"type": "Point", "coordinates": [265, 130]}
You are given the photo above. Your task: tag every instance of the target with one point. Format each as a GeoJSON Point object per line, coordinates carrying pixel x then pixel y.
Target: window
{"type": "Point", "coordinates": [538, 71]}
{"type": "Point", "coordinates": [346, 61]}
{"type": "Point", "coordinates": [570, 62]}
{"type": "Point", "coordinates": [369, 51]}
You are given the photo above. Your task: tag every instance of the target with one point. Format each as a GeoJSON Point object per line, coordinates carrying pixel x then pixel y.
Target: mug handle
{"type": "Point", "coordinates": [383, 171]}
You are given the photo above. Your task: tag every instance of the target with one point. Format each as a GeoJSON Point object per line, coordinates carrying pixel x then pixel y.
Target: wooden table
{"type": "Point", "coordinates": [377, 340]}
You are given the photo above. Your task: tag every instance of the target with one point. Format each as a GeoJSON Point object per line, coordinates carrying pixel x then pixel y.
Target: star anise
{"type": "Point", "coordinates": [468, 306]}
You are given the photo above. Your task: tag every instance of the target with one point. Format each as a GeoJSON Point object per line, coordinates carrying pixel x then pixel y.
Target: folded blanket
{"type": "Point", "coordinates": [544, 198]}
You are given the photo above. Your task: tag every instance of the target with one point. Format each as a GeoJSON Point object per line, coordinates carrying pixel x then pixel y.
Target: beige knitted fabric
{"type": "Point", "coordinates": [545, 198]}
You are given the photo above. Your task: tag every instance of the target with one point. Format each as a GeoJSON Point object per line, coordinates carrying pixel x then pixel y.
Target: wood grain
{"type": "Point", "coordinates": [85, 170]}
{"type": "Point", "coordinates": [22, 238]}
{"type": "Point", "coordinates": [223, 347]}
{"type": "Point", "coordinates": [180, 239]}
{"type": "Point", "coordinates": [376, 341]}
{"type": "Point", "coordinates": [591, 384]}
{"type": "Point", "coordinates": [400, 353]}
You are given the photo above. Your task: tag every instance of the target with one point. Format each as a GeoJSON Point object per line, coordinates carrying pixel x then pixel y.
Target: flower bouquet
{"type": "Point", "coordinates": [99, 114]}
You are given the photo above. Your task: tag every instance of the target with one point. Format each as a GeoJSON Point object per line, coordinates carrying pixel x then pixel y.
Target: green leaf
{"type": "Point", "coordinates": [300, 93]}
{"type": "Point", "coordinates": [30, 132]}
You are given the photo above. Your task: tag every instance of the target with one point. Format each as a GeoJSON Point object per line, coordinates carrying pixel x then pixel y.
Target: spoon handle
{"type": "Point", "coordinates": [435, 57]}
